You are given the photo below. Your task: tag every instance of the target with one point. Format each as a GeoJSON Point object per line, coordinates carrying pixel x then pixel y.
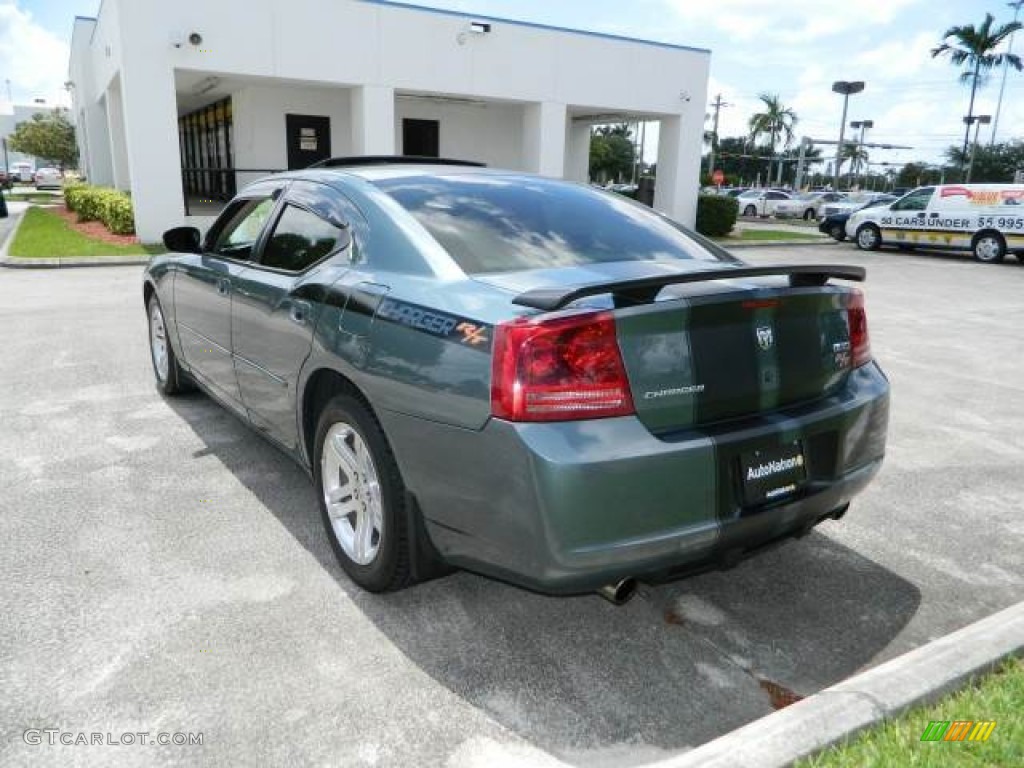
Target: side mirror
{"type": "Point", "coordinates": [183, 240]}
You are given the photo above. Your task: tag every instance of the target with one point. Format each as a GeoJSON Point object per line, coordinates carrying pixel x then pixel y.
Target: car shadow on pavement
{"type": "Point", "coordinates": [592, 683]}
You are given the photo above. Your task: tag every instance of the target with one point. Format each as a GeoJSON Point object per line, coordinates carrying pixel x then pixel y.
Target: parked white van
{"type": "Point", "coordinates": [987, 219]}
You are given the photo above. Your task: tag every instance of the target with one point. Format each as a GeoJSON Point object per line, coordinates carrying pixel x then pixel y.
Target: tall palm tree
{"type": "Point", "coordinates": [857, 155]}
{"type": "Point", "coordinates": [974, 48]}
{"type": "Point", "coordinates": [776, 121]}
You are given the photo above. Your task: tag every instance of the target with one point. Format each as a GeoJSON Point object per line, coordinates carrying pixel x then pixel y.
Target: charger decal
{"type": "Point", "coordinates": [454, 328]}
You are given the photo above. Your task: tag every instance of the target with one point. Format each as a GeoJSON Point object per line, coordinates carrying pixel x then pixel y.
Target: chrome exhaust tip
{"type": "Point", "coordinates": [619, 593]}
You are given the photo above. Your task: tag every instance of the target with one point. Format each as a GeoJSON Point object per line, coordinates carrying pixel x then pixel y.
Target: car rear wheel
{"type": "Point", "coordinates": [837, 232]}
{"type": "Point", "coordinates": [362, 497]}
{"type": "Point", "coordinates": [750, 211]}
{"type": "Point", "coordinates": [170, 379]}
{"type": "Point", "coordinates": [809, 215]}
{"type": "Point", "coordinates": [869, 238]}
{"type": "Point", "coordinates": [989, 247]}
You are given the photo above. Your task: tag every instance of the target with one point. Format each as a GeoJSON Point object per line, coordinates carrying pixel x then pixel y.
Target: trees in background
{"type": "Point", "coordinates": [49, 137]}
{"type": "Point", "coordinates": [973, 49]}
{"type": "Point", "coordinates": [612, 153]}
{"type": "Point", "coordinates": [776, 122]}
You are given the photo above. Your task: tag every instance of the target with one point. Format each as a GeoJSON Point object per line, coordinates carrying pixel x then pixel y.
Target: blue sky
{"type": "Point", "coordinates": [795, 48]}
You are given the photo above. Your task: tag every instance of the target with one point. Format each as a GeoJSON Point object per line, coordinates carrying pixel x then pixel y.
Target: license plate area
{"type": "Point", "coordinates": [771, 474]}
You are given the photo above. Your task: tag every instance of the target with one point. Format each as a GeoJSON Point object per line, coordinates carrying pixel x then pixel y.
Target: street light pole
{"type": "Point", "coordinates": [846, 88]}
{"type": "Point", "coordinates": [978, 121]}
{"type": "Point", "coordinates": [1006, 68]}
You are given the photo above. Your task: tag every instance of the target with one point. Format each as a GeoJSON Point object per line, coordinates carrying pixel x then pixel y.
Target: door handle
{"type": "Point", "coordinates": [934, 216]}
{"type": "Point", "coordinates": [223, 287]}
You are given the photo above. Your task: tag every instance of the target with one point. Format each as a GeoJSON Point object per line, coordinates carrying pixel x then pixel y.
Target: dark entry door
{"type": "Point", "coordinates": [309, 140]}
{"type": "Point", "coordinates": [421, 138]}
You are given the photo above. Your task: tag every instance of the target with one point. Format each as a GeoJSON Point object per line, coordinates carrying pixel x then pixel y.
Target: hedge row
{"type": "Point", "coordinates": [716, 215]}
{"type": "Point", "coordinates": [110, 206]}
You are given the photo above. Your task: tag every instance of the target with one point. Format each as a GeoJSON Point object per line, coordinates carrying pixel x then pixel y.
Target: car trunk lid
{"type": "Point", "coordinates": [716, 341]}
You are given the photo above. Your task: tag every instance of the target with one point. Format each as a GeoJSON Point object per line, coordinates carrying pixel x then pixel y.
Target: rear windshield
{"type": "Point", "coordinates": [491, 223]}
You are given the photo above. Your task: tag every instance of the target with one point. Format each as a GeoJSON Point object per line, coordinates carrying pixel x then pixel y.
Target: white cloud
{"type": "Point", "coordinates": [33, 59]}
{"type": "Point", "coordinates": [788, 21]}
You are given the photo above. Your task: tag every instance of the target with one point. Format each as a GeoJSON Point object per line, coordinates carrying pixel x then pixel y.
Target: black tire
{"type": "Point", "coordinates": [750, 211]}
{"type": "Point", "coordinates": [868, 237]}
{"type": "Point", "coordinates": [837, 232]}
{"type": "Point", "coordinates": [809, 215]}
{"type": "Point", "coordinates": [172, 381]}
{"type": "Point", "coordinates": [989, 247]}
{"type": "Point", "coordinates": [390, 568]}
{"type": "Point", "coordinates": [1020, 256]}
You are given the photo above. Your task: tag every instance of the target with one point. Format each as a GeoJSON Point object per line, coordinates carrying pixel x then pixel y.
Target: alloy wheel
{"type": "Point", "coordinates": [352, 493]}
{"type": "Point", "coordinates": [158, 341]}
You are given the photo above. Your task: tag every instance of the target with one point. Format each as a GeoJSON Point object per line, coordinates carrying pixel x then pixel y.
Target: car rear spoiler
{"type": "Point", "coordinates": [645, 289]}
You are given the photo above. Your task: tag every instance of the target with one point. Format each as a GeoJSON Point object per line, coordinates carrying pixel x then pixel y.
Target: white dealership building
{"type": "Point", "coordinates": [184, 102]}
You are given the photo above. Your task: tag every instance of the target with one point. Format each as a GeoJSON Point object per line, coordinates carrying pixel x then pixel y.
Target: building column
{"type": "Point", "coordinates": [96, 135]}
{"type": "Point", "coordinates": [577, 152]}
{"type": "Point", "coordinates": [544, 138]}
{"type": "Point", "coordinates": [373, 120]}
{"type": "Point", "coordinates": [675, 192]}
{"type": "Point", "coordinates": [121, 176]}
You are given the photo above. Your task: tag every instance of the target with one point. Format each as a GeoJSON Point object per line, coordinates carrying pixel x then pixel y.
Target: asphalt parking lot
{"type": "Point", "coordinates": [164, 570]}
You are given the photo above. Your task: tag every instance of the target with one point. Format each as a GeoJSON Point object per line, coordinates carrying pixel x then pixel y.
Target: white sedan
{"type": "Point", "coordinates": [49, 178]}
{"type": "Point", "coordinates": [761, 202]}
{"type": "Point", "coordinates": [807, 206]}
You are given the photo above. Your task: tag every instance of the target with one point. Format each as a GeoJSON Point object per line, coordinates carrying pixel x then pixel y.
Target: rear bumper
{"type": "Point", "coordinates": [566, 508]}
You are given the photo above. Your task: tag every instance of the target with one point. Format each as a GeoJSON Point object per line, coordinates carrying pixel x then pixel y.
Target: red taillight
{"type": "Point", "coordinates": [559, 370]}
{"type": "Point", "coordinates": [860, 342]}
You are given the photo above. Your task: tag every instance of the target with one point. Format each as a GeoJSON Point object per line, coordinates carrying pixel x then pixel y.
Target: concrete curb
{"type": "Point", "coordinates": [776, 243]}
{"type": "Point", "coordinates": [82, 261]}
{"type": "Point", "coordinates": [886, 691]}
{"type": "Point", "coordinates": [93, 261]}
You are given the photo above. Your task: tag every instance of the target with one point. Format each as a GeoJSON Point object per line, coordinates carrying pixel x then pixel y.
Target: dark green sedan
{"type": "Point", "coordinates": [527, 378]}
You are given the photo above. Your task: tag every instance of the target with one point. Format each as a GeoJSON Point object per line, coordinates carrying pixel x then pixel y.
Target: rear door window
{"type": "Point", "coordinates": [300, 239]}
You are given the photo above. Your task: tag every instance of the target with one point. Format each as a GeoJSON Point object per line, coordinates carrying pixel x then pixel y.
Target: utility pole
{"type": "Point", "coordinates": [978, 121]}
{"type": "Point", "coordinates": [1016, 5]}
{"type": "Point", "coordinates": [719, 105]}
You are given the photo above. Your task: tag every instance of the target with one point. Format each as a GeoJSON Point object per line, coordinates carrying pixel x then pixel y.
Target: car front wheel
{"type": "Point", "coordinates": [750, 211]}
{"type": "Point", "coordinates": [869, 238]}
{"type": "Point", "coordinates": [838, 232]}
{"type": "Point", "coordinates": [809, 215]}
{"type": "Point", "coordinates": [362, 497]}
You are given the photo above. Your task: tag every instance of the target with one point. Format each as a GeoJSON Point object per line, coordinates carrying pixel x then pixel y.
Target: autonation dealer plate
{"type": "Point", "coordinates": [772, 474]}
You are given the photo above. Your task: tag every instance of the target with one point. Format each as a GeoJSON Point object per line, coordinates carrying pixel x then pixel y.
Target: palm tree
{"type": "Point", "coordinates": [777, 121]}
{"type": "Point", "coordinates": [974, 48]}
{"type": "Point", "coordinates": [857, 156]}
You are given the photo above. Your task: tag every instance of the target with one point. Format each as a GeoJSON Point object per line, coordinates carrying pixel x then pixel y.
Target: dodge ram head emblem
{"type": "Point", "coordinates": [765, 337]}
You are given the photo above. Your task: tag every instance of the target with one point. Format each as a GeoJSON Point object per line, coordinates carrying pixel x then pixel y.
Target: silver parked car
{"type": "Point", "coordinates": [49, 178]}
{"type": "Point", "coordinates": [807, 206]}
{"type": "Point", "coordinates": [761, 202]}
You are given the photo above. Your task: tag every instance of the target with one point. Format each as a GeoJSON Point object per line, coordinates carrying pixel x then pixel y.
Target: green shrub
{"type": "Point", "coordinates": [109, 206]}
{"type": "Point", "coordinates": [119, 215]}
{"type": "Point", "coordinates": [716, 215]}
{"type": "Point", "coordinates": [91, 202]}
{"type": "Point", "coordinates": [72, 193]}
